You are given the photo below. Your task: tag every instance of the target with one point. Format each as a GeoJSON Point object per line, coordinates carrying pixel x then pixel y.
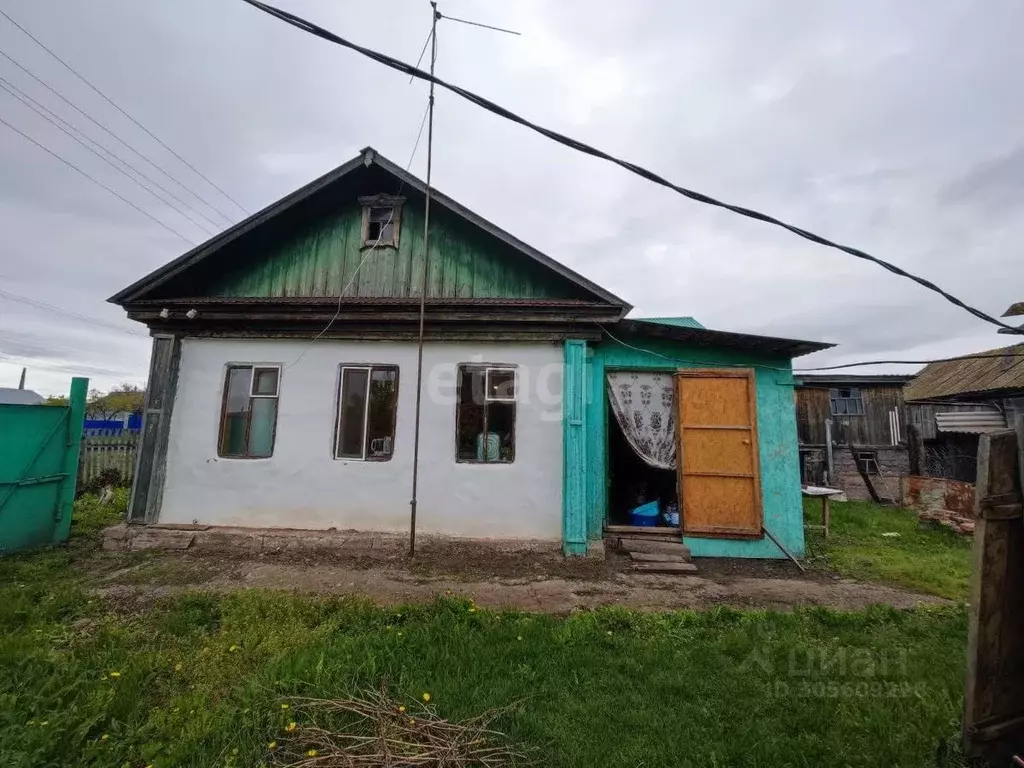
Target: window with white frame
{"type": "Point", "coordinates": [248, 420]}
{"type": "Point", "coordinates": [367, 407]}
{"type": "Point", "coordinates": [485, 414]}
{"type": "Point", "coordinates": [846, 401]}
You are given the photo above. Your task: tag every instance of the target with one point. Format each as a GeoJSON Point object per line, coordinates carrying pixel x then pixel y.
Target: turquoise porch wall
{"type": "Point", "coordinates": [776, 422]}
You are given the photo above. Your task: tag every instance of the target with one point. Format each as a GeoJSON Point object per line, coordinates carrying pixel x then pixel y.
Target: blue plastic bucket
{"type": "Point", "coordinates": [646, 514]}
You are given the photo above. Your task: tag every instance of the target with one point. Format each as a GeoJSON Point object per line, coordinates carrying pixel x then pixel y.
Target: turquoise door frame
{"type": "Point", "coordinates": [574, 442]}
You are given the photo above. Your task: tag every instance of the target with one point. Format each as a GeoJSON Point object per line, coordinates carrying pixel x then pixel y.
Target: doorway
{"type": "Point", "coordinates": [632, 482]}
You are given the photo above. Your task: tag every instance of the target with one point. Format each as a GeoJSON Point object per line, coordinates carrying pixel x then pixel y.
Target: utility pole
{"type": "Point", "coordinates": [423, 288]}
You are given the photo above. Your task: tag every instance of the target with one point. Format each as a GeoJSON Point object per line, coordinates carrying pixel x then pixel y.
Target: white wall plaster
{"type": "Point", "coordinates": [303, 486]}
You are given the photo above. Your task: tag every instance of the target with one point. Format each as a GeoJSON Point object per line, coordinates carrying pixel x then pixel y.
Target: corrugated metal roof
{"type": "Point", "coordinates": [860, 379]}
{"type": "Point", "coordinates": [12, 396]}
{"type": "Point", "coordinates": [1000, 371]}
{"type": "Point", "coordinates": [675, 322]}
{"type": "Point", "coordinates": [974, 422]}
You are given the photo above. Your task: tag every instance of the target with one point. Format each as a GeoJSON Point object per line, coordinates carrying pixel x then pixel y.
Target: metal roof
{"type": "Point", "coordinates": [705, 337]}
{"type": "Point", "coordinates": [366, 158]}
{"type": "Point", "coordinates": [678, 322]}
{"type": "Point", "coordinates": [1000, 372]}
{"type": "Point", "coordinates": [859, 380]}
{"type": "Point", "coordinates": [12, 396]}
{"type": "Point", "coordinates": [973, 422]}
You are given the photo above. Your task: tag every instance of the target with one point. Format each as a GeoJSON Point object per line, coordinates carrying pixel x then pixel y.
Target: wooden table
{"type": "Point", "coordinates": [818, 492]}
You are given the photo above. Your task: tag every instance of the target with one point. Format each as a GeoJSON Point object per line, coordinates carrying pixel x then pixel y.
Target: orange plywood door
{"type": "Point", "coordinates": [719, 479]}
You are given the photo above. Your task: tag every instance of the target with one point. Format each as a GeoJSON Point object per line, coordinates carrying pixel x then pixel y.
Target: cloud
{"type": "Point", "coordinates": [893, 128]}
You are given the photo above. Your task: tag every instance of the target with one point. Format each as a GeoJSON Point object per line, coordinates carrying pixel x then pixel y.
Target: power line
{"type": "Point", "coordinates": [68, 312]}
{"type": "Point", "coordinates": [125, 200]}
{"type": "Point", "coordinates": [105, 129]}
{"type": "Point", "coordinates": [114, 104]}
{"type": "Point", "coordinates": [478, 24]}
{"type": "Point", "coordinates": [982, 356]}
{"type": "Point", "coordinates": [579, 146]}
{"type": "Point", "coordinates": [81, 138]}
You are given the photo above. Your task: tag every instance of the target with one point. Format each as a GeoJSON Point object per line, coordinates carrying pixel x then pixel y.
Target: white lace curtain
{"type": "Point", "coordinates": [644, 407]}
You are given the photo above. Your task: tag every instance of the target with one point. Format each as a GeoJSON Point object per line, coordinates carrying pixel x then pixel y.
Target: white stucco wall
{"type": "Point", "coordinates": [303, 486]}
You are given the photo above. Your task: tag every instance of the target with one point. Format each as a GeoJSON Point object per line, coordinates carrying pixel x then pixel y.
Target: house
{"type": "Point", "coordinates": [283, 386]}
{"type": "Point", "coordinates": [19, 396]}
{"type": "Point", "coordinates": [852, 433]}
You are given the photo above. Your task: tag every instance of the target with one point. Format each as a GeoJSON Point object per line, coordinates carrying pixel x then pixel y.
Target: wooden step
{"type": "Point", "coordinates": [643, 530]}
{"type": "Point", "coordinates": [657, 547]}
{"type": "Point", "coordinates": [658, 557]}
{"type": "Point", "coordinates": [665, 567]}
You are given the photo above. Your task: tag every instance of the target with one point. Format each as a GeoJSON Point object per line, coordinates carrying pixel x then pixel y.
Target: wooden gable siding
{"type": "Point", "coordinates": [812, 409]}
{"type": "Point", "coordinates": [320, 255]}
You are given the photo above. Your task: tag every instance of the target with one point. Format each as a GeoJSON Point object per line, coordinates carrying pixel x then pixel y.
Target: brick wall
{"type": "Point", "coordinates": [893, 464]}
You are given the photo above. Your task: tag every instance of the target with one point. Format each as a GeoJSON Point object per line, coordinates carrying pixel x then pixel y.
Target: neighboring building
{"type": "Point", "coordinates": [12, 396]}
{"type": "Point", "coordinates": [282, 387]}
{"type": "Point", "coordinates": [852, 432]}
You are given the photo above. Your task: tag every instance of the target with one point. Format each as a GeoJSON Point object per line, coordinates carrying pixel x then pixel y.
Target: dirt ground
{"type": "Point", "coordinates": [529, 581]}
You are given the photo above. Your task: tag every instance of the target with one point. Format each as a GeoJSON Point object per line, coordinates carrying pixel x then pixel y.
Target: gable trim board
{"type": "Point", "coordinates": [367, 158]}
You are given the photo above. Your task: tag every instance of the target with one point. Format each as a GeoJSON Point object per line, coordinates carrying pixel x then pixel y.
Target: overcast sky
{"type": "Point", "coordinates": [897, 128]}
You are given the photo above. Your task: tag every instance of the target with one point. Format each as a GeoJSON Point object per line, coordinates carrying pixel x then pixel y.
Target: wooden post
{"type": "Point", "coordinates": [993, 727]}
{"type": "Point", "coordinates": [824, 514]}
{"type": "Point", "coordinates": [915, 449]}
{"type": "Point", "coordinates": [831, 479]}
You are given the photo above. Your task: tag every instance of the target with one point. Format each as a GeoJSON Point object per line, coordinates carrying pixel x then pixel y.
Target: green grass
{"type": "Point", "coordinates": [923, 557]}
{"type": "Point", "coordinates": [605, 688]}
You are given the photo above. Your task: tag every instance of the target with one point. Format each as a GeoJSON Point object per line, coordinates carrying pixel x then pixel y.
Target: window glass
{"type": "Point", "coordinates": [381, 224]}
{"type": "Point", "coordinates": [352, 412]}
{"type": "Point", "coordinates": [380, 424]}
{"type": "Point", "coordinates": [485, 427]}
{"type": "Point", "coordinates": [249, 415]}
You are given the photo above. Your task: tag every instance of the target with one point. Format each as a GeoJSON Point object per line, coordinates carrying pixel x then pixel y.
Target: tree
{"type": "Point", "coordinates": [126, 398]}
{"type": "Point", "coordinates": [56, 400]}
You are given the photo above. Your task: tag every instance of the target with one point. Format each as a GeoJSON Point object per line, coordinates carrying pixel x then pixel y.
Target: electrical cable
{"type": "Point", "coordinates": [477, 24]}
{"type": "Point", "coordinates": [366, 256]}
{"type": "Point", "coordinates": [81, 138]}
{"type": "Point", "coordinates": [71, 165]}
{"type": "Point", "coordinates": [114, 104]}
{"type": "Point", "coordinates": [105, 129]}
{"type": "Point", "coordinates": [579, 146]}
{"type": "Point", "coordinates": [981, 356]}
{"type": "Point", "coordinates": [61, 311]}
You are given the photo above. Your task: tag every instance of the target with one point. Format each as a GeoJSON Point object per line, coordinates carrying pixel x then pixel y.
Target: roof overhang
{"type": "Point", "coordinates": [704, 337]}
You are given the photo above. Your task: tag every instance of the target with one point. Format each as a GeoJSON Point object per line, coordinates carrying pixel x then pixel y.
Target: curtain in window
{"type": "Point", "coordinates": [644, 405]}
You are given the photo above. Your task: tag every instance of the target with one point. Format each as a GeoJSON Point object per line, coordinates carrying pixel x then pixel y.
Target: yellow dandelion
{"type": "Point", "coordinates": [520, 637]}
{"type": "Point", "coordinates": [105, 737]}
{"type": "Point", "coordinates": [178, 667]}
{"type": "Point", "coordinates": [426, 697]}
{"type": "Point", "coordinates": [291, 726]}
{"type": "Point", "coordinates": [473, 609]}
{"type": "Point", "coordinates": [399, 634]}
{"type": "Point", "coordinates": [232, 649]}
{"type": "Point", "coordinates": [412, 721]}
{"type": "Point", "coordinates": [400, 709]}
{"type": "Point", "coordinates": [311, 753]}
{"type": "Point", "coordinates": [284, 706]}
{"type": "Point", "coordinates": [114, 674]}
{"type": "Point", "coordinates": [149, 766]}
{"type": "Point", "coordinates": [45, 722]}
{"type": "Point", "coordinates": [609, 631]}
{"type": "Point", "coordinates": [272, 745]}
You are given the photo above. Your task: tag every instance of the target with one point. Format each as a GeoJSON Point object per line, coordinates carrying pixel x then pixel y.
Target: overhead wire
{"type": "Point", "coordinates": [580, 146]}
{"type": "Point", "coordinates": [111, 133]}
{"type": "Point", "coordinates": [98, 183]}
{"type": "Point", "coordinates": [116, 106]}
{"type": "Point", "coordinates": [980, 356]}
{"type": "Point", "coordinates": [85, 141]}
{"type": "Point", "coordinates": [62, 311]}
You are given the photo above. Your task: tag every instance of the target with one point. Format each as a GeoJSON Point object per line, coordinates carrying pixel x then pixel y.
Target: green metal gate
{"type": "Point", "coordinates": [39, 447]}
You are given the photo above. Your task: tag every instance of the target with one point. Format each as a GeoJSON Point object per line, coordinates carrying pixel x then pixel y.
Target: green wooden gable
{"type": "Point", "coordinates": [310, 244]}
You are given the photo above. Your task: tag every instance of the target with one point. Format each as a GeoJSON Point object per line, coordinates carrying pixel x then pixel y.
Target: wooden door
{"type": "Point", "coordinates": [717, 455]}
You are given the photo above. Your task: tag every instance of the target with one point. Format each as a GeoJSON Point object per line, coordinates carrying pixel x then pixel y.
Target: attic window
{"type": "Point", "coordinates": [382, 220]}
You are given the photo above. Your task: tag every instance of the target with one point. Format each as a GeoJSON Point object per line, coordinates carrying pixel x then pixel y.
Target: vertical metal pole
{"type": "Point", "coordinates": [828, 453]}
{"type": "Point", "coordinates": [423, 287]}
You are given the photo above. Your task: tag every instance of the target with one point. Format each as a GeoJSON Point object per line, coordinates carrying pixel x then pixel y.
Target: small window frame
{"type": "Point", "coordinates": [850, 404]}
{"type": "Point", "coordinates": [253, 395]}
{"type": "Point", "coordinates": [382, 201]}
{"type": "Point", "coordinates": [487, 368]}
{"type": "Point", "coordinates": [369, 368]}
{"type": "Point", "coordinates": [867, 462]}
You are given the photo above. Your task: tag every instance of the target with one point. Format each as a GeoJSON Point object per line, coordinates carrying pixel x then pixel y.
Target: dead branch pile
{"type": "Point", "coordinates": [376, 731]}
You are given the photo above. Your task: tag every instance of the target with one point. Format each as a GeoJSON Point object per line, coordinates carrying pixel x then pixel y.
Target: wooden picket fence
{"type": "Point", "coordinates": [108, 449]}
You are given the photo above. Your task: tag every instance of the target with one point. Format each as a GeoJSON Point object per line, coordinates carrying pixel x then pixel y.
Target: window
{"type": "Point", "coordinates": [248, 420]}
{"type": "Point", "coordinates": [382, 219]}
{"type": "Point", "coordinates": [367, 404]}
{"type": "Point", "coordinates": [867, 462]}
{"type": "Point", "coordinates": [846, 401]}
{"type": "Point", "coordinates": [485, 414]}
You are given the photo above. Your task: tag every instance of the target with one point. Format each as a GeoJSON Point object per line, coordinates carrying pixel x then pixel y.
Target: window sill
{"type": "Point", "coordinates": [475, 463]}
{"type": "Point", "coordinates": [244, 458]}
{"type": "Point", "coordinates": [363, 461]}
{"type": "Point", "coordinates": [370, 246]}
